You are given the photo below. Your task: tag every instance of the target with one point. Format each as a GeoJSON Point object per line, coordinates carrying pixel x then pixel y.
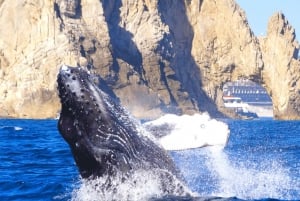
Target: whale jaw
{"type": "Point", "coordinates": [104, 139]}
{"type": "Point", "coordinates": [86, 125]}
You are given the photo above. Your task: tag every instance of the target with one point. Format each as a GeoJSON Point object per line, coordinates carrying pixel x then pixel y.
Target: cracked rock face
{"type": "Point", "coordinates": [282, 67]}
{"type": "Point", "coordinates": [155, 56]}
{"type": "Point", "coordinates": [69, 8]}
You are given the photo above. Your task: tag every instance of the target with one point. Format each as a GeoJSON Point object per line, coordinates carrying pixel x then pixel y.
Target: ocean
{"type": "Point", "coordinates": [260, 162]}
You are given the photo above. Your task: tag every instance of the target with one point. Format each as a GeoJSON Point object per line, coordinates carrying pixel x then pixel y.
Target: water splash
{"type": "Point", "coordinates": [188, 131]}
{"type": "Point", "coordinates": [141, 185]}
{"type": "Point", "coordinates": [250, 180]}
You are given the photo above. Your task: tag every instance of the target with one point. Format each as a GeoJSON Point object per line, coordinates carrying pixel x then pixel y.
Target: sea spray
{"type": "Point", "coordinates": [188, 131]}
{"type": "Point", "coordinates": [141, 185]}
{"type": "Point", "coordinates": [247, 179]}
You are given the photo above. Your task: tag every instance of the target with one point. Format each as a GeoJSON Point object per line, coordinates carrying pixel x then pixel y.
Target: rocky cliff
{"type": "Point", "coordinates": [282, 67]}
{"type": "Point", "coordinates": [156, 56]}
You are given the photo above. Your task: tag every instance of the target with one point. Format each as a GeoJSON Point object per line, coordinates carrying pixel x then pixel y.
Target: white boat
{"type": "Point", "coordinates": [239, 107]}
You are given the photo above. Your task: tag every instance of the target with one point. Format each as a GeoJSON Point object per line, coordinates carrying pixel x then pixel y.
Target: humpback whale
{"type": "Point", "coordinates": [104, 139]}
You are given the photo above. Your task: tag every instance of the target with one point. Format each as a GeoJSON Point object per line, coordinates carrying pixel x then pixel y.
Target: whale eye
{"type": "Point", "coordinates": [82, 96]}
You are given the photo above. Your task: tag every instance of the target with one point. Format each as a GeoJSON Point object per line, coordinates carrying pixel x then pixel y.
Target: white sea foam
{"type": "Point", "coordinates": [141, 185]}
{"type": "Point", "coordinates": [15, 128]}
{"type": "Point", "coordinates": [190, 131]}
{"type": "Point", "coordinates": [265, 179]}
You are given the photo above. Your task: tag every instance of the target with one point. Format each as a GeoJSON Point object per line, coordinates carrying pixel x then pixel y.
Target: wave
{"type": "Point", "coordinates": [11, 128]}
{"type": "Point", "coordinates": [188, 131]}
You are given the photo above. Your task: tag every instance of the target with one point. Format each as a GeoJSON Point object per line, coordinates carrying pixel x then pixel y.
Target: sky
{"type": "Point", "coordinates": [259, 11]}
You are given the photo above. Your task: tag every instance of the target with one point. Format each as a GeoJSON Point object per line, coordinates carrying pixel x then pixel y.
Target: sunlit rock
{"type": "Point", "coordinates": [156, 56]}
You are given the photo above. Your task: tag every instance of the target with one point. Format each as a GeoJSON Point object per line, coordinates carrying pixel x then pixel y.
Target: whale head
{"type": "Point", "coordinates": [89, 122]}
{"type": "Point", "coordinates": [104, 139]}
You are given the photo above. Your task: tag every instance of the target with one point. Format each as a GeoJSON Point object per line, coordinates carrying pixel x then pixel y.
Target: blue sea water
{"type": "Point", "coordinates": [260, 162]}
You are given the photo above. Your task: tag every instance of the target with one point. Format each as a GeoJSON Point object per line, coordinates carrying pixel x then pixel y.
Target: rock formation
{"type": "Point", "coordinates": [155, 56]}
{"type": "Point", "coordinates": [282, 67]}
{"type": "Point", "coordinates": [224, 48]}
